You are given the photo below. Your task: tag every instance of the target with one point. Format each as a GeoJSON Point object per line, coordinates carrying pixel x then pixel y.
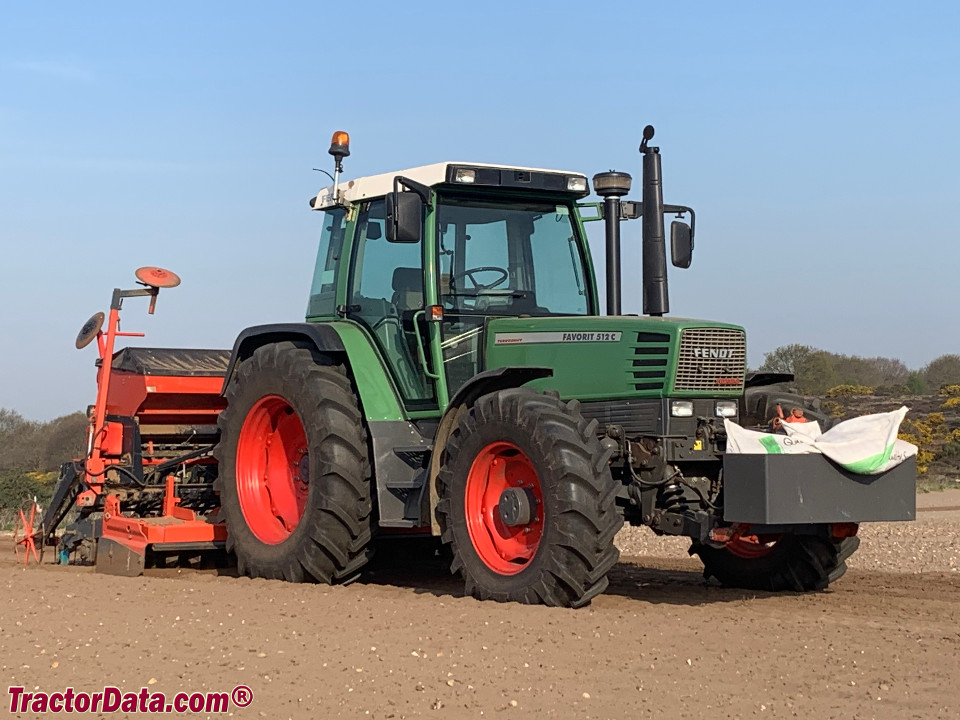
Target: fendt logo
{"type": "Point", "coordinates": [713, 353]}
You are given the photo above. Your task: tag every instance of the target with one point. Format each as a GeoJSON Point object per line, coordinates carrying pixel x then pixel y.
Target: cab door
{"type": "Point", "coordinates": [386, 294]}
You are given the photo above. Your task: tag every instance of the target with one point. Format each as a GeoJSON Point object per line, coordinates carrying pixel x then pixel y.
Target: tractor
{"type": "Point", "coordinates": [455, 378]}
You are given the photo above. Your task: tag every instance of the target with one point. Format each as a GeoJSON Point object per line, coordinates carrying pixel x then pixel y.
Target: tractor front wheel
{"type": "Point", "coordinates": [527, 502]}
{"type": "Point", "coordinates": [293, 471]}
{"type": "Point", "coordinates": [784, 562]}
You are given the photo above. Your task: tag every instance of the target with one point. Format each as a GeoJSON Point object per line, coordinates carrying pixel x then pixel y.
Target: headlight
{"type": "Point", "coordinates": [681, 408]}
{"type": "Point", "coordinates": [466, 175]}
{"type": "Point", "coordinates": [726, 408]}
{"type": "Point", "coordinates": [577, 184]}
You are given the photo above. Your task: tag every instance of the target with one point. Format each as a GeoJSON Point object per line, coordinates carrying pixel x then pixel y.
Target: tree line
{"type": "Point", "coordinates": [817, 371]}
{"type": "Point", "coordinates": [31, 454]}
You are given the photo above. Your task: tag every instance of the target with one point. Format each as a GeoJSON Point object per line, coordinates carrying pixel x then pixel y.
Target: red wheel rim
{"type": "Point", "coordinates": [753, 546]}
{"type": "Point", "coordinates": [272, 469]}
{"type": "Point", "coordinates": [504, 549]}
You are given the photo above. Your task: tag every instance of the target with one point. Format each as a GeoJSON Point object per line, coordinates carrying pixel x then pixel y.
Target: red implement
{"type": "Point", "coordinates": [144, 487]}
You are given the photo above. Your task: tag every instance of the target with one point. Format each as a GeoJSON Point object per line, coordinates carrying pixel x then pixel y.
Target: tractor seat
{"type": "Point", "coordinates": [407, 294]}
{"type": "Point", "coordinates": [408, 289]}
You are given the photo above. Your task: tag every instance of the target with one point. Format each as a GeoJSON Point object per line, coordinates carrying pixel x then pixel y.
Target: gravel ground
{"type": "Point", "coordinates": [880, 644]}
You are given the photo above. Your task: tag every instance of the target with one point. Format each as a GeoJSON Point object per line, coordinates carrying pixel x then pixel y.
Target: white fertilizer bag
{"type": "Point", "coordinates": [865, 445]}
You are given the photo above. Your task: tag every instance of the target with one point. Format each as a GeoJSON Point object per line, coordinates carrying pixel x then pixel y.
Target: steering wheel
{"type": "Point", "coordinates": [504, 274]}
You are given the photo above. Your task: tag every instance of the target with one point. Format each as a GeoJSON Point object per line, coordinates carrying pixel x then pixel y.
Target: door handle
{"type": "Point", "coordinates": [421, 355]}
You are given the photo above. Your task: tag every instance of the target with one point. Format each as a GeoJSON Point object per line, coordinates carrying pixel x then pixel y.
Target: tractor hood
{"type": "Point", "coordinates": [606, 358]}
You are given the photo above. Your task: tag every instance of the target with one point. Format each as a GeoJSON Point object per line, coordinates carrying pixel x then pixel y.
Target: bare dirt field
{"type": "Point", "coordinates": [883, 642]}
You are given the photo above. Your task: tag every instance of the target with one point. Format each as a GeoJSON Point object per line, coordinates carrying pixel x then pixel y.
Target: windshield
{"type": "Point", "coordinates": [503, 258]}
{"type": "Point", "coordinates": [510, 258]}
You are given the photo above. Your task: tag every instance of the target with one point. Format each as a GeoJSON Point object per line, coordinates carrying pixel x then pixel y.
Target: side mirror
{"type": "Point", "coordinates": [404, 217]}
{"type": "Point", "coordinates": [681, 244]}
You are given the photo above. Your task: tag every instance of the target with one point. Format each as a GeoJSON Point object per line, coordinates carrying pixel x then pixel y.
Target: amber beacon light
{"type": "Point", "coordinates": [340, 145]}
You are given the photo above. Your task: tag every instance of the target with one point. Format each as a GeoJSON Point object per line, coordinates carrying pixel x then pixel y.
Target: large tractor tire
{"type": "Point", "coordinates": [527, 502]}
{"type": "Point", "coordinates": [789, 562]}
{"type": "Point", "coordinates": [293, 471]}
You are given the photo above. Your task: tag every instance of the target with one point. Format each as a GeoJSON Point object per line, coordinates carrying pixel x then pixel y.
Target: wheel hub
{"type": "Point", "coordinates": [303, 470]}
{"type": "Point", "coordinates": [517, 506]}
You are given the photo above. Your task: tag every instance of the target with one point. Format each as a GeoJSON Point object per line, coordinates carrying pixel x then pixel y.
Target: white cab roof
{"type": "Point", "coordinates": [374, 186]}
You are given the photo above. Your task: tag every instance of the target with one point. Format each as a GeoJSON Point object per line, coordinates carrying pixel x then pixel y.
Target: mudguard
{"type": "Point", "coordinates": [320, 335]}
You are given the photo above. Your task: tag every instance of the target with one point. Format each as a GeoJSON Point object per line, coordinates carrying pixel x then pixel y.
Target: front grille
{"type": "Point", "coordinates": [711, 359]}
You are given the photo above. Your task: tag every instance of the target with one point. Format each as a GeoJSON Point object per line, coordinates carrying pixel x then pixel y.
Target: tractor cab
{"type": "Point", "coordinates": [486, 242]}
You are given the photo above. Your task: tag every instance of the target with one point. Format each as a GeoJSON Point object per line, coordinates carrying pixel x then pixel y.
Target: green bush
{"type": "Point", "coordinates": [950, 450]}
{"type": "Point", "coordinates": [16, 488]}
{"type": "Point", "coordinates": [917, 384]}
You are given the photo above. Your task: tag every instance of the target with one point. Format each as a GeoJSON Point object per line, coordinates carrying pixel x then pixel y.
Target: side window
{"type": "Point", "coordinates": [322, 301]}
{"type": "Point", "coordinates": [386, 292]}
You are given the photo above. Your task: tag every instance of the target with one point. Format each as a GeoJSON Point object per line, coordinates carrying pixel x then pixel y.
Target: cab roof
{"type": "Point", "coordinates": [374, 186]}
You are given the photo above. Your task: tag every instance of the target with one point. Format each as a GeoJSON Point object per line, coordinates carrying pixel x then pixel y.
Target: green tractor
{"type": "Point", "coordinates": [455, 378]}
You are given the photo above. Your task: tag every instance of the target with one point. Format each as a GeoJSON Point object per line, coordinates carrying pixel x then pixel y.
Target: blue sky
{"type": "Point", "coordinates": [817, 141]}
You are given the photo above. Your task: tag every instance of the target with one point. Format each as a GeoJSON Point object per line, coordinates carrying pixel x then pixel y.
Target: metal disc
{"type": "Point", "coordinates": [158, 277]}
{"type": "Point", "coordinates": [89, 330]}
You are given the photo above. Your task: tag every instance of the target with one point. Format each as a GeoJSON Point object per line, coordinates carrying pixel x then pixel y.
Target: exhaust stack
{"type": "Point", "coordinates": [611, 186]}
{"type": "Point", "coordinates": [656, 298]}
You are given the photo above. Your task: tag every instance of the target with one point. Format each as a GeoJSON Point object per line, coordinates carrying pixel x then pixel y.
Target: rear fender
{"type": "Point", "coordinates": [343, 342]}
{"type": "Point", "coordinates": [480, 384]}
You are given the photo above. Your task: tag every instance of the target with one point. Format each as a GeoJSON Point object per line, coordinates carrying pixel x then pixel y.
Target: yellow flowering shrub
{"type": "Point", "coordinates": [929, 435]}
{"type": "Point", "coordinates": [840, 391]}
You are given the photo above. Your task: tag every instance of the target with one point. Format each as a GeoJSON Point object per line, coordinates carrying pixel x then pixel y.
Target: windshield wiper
{"type": "Point", "coordinates": [576, 264]}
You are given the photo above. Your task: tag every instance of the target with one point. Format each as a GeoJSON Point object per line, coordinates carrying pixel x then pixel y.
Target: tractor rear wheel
{"type": "Point", "coordinates": [293, 470]}
{"type": "Point", "coordinates": [527, 502]}
{"type": "Point", "coordinates": [787, 562]}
